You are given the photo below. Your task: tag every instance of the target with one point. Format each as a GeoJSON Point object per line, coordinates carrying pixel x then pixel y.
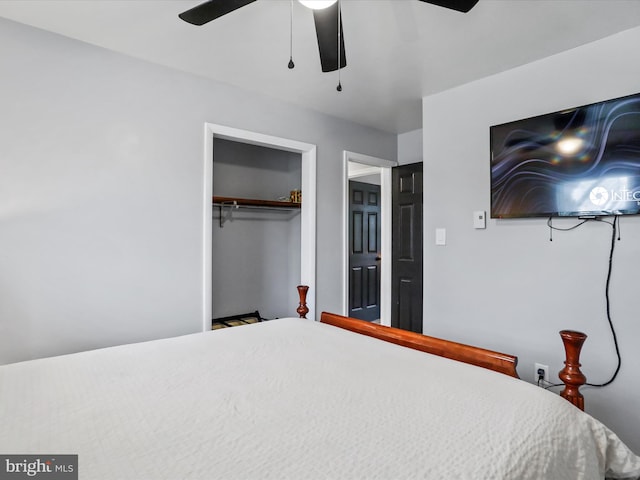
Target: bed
{"type": "Point", "coordinates": [297, 399]}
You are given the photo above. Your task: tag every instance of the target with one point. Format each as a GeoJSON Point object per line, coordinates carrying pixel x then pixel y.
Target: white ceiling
{"type": "Point", "coordinates": [397, 50]}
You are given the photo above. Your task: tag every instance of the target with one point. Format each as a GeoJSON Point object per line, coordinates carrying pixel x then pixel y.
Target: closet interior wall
{"type": "Point", "coordinates": [256, 253]}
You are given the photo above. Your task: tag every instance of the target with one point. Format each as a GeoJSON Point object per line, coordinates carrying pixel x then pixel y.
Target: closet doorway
{"type": "Point", "coordinates": [307, 234]}
{"type": "Point", "coordinates": [256, 230]}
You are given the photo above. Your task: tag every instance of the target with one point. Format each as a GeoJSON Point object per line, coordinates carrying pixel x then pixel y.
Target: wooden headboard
{"type": "Point", "coordinates": [496, 361]}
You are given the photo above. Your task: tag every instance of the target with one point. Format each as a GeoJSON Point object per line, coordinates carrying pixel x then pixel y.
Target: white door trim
{"type": "Point", "coordinates": [385, 228]}
{"type": "Point", "coordinates": [308, 210]}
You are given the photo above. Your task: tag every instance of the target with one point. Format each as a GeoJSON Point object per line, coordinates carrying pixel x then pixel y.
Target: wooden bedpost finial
{"type": "Point", "coordinates": [571, 375]}
{"type": "Point", "coordinates": [302, 308]}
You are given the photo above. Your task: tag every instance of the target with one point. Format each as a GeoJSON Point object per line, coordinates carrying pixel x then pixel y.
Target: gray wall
{"type": "Point", "coordinates": [410, 147]}
{"type": "Point", "coordinates": [256, 253]}
{"type": "Point", "coordinates": [101, 192]}
{"type": "Point", "coordinates": [508, 287]}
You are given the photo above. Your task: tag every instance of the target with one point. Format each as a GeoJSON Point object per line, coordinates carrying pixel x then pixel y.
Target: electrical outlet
{"type": "Point", "coordinates": [540, 370]}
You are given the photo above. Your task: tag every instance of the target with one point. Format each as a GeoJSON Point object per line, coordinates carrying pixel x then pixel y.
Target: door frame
{"type": "Point", "coordinates": [385, 227]}
{"type": "Point", "coordinates": [308, 208]}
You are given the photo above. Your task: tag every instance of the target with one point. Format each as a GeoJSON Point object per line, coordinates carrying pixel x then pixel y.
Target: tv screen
{"type": "Point", "coordinates": [579, 162]}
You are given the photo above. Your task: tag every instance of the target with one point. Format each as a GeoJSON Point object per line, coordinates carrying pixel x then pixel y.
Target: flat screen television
{"type": "Point", "coordinates": [580, 162]}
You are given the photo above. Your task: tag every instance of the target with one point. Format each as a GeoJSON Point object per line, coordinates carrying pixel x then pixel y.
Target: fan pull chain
{"type": "Point", "coordinates": [291, 64]}
{"type": "Point", "coordinates": [339, 87]}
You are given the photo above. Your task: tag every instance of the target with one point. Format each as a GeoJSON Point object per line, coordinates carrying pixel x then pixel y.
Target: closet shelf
{"type": "Point", "coordinates": [228, 204]}
{"type": "Point", "coordinates": [251, 202]}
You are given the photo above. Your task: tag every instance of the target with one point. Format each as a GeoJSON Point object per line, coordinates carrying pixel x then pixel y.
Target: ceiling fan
{"type": "Point", "coordinates": [326, 15]}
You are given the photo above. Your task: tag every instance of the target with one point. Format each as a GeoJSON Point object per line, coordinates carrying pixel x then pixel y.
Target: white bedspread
{"type": "Point", "coordinates": [296, 399]}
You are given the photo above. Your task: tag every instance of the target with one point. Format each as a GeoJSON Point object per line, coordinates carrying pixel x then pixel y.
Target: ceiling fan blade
{"type": "Point", "coordinates": [460, 5]}
{"type": "Point", "coordinates": [207, 11]}
{"type": "Point", "coordinates": [326, 21]}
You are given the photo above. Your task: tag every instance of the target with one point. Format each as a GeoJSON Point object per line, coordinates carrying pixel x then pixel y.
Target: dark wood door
{"type": "Point", "coordinates": [406, 249]}
{"type": "Point", "coordinates": [364, 251]}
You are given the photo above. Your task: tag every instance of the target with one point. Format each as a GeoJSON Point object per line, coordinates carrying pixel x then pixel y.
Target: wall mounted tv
{"type": "Point", "coordinates": [579, 162]}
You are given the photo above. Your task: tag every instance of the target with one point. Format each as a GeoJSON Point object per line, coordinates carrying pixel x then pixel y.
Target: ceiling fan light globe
{"type": "Point", "coordinates": [317, 4]}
